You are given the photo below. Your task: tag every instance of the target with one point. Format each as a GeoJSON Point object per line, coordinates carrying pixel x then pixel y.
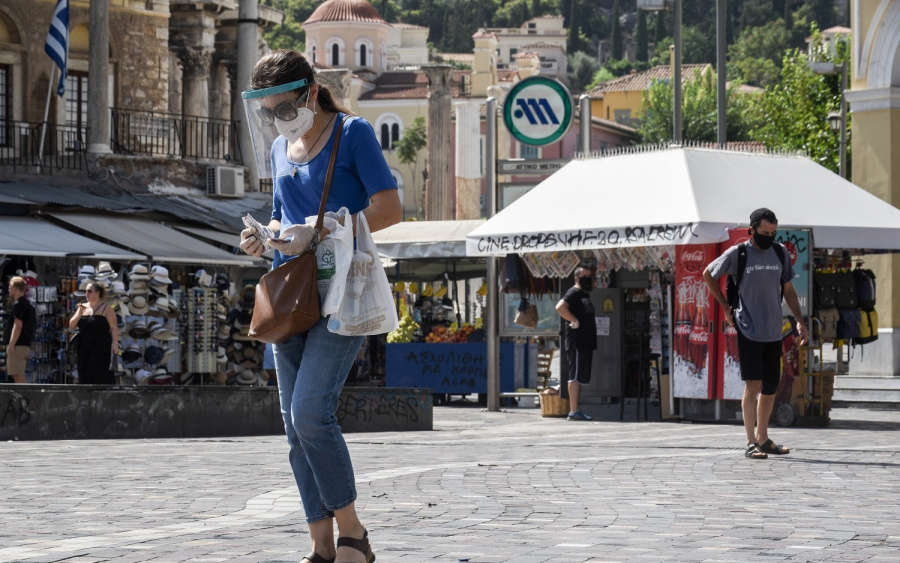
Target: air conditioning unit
{"type": "Point", "coordinates": [225, 181]}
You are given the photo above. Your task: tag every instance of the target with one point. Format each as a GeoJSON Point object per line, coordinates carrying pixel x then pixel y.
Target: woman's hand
{"type": "Point", "coordinates": [115, 347]}
{"type": "Point", "coordinates": [250, 244]}
{"type": "Point", "coordinates": [303, 235]}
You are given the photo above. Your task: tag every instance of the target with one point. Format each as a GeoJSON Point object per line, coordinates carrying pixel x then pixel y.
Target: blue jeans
{"type": "Point", "coordinates": [312, 367]}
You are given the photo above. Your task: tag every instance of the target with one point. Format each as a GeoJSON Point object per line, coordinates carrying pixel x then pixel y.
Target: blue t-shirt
{"type": "Point", "coordinates": [359, 172]}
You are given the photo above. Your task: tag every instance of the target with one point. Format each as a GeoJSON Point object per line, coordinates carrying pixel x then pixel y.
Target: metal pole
{"type": "Point", "coordinates": [676, 75]}
{"type": "Point", "coordinates": [492, 314]}
{"type": "Point", "coordinates": [720, 69]}
{"type": "Point", "coordinates": [585, 102]}
{"type": "Point", "coordinates": [46, 114]}
{"type": "Point", "coordinates": [843, 162]}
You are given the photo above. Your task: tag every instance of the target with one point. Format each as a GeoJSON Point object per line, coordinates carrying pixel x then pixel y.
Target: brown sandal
{"type": "Point", "coordinates": [314, 557]}
{"type": "Point", "coordinates": [361, 546]}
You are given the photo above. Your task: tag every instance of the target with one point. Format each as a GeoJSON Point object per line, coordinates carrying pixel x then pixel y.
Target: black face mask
{"type": "Point", "coordinates": [763, 241]}
{"type": "Point", "coordinates": [586, 283]}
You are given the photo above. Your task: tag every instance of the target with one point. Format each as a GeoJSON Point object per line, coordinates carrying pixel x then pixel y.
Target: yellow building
{"type": "Point", "coordinates": [621, 99]}
{"type": "Point", "coordinates": [875, 135]}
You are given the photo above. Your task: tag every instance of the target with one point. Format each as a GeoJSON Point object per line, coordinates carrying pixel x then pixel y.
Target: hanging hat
{"type": "Point", "coordinates": [138, 329]}
{"type": "Point", "coordinates": [222, 283]}
{"type": "Point", "coordinates": [105, 271]}
{"type": "Point", "coordinates": [82, 287]}
{"type": "Point", "coordinates": [263, 375]}
{"type": "Point", "coordinates": [243, 334]}
{"type": "Point", "coordinates": [117, 288]}
{"type": "Point", "coordinates": [221, 358]}
{"type": "Point", "coordinates": [224, 332]}
{"type": "Point", "coordinates": [199, 275]}
{"type": "Point", "coordinates": [218, 378]}
{"type": "Point", "coordinates": [247, 378]}
{"type": "Point", "coordinates": [161, 376]}
{"type": "Point", "coordinates": [163, 333]}
{"type": "Point", "coordinates": [244, 317]}
{"type": "Point", "coordinates": [159, 275]}
{"type": "Point", "coordinates": [132, 353]}
{"type": "Point", "coordinates": [139, 305]}
{"type": "Point", "coordinates": [221, 312]}
{"type": "Point", "coordinates": [138, 288]}
{"type": "Point", "coordinates": [167, 355]}
{"type": "Point", "coordinates": [138, 272]}
{"type": "Point", "coordinates": [153, 355]}
{"type": "Point", "coordinates": [86, 271]}
{"type": "Point", "coordinates": [143, 376]}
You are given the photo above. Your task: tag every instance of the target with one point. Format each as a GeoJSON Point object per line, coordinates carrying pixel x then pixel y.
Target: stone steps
{"type": "Point", "coordinates": [851, 389]}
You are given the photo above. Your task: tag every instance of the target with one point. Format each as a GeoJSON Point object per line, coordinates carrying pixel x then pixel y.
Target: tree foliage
{"type": "Point", "coordinates": [617, 48]}
{"type": "Point", "coordinates": [582, 68]}
{"type": "Point", "coordinates": [699, 113]}
{"type": "Point", "coordinates": [642, 45]}
{"type": "Point", "coordinates": [414, 139]}
{"type": "Point", "coordinates": [795, 111]}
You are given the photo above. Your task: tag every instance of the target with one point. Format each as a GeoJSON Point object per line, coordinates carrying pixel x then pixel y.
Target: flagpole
{"type": "Point", "coordinates": [46, 114]}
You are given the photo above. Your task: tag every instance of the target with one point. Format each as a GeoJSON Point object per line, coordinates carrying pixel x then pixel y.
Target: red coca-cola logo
{"type": "Point", "coordinates": [792, 251]}
{"type": "Point", "coordinates": [699, 337]}
{"type": "Point", "coordinates": [693, 260]}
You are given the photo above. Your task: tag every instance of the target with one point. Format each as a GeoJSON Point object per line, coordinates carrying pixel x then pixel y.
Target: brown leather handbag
{"type": "Point", "coordinates": [287, 298]}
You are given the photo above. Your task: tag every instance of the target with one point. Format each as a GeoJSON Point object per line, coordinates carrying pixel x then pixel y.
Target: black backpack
{"type": "Point", "coordinates": [845, 291]}
{"type": "Point", "coordinates": [734, 282]}
{"type": "Point", "coordinates": [865, 288]}
{"type": "Point", "coordinates": [824, 291]}
{"type": "Point", "coordinates": [513, 280]}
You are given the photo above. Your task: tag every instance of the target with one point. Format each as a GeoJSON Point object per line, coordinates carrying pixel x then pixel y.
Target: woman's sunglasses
{"type": "Point", "coordinates": [285, 111]}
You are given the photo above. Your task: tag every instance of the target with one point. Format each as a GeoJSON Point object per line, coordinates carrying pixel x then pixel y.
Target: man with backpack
{"type": "Point", "coordinates": [761, 274]}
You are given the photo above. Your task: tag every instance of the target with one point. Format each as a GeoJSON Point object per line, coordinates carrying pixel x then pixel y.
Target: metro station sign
{"type": "Point", "coordinates": [538, 111]}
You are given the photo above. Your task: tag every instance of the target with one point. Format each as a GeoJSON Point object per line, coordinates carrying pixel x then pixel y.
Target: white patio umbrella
{"type": "Point", "coordinates": [683, 196]}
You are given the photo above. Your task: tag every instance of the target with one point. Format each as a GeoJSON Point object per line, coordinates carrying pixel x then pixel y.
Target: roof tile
{"type": "Point", "coordinates": [345, 10]}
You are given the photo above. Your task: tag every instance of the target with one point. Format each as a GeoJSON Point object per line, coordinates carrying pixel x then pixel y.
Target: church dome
{"type": "Point", "coordinates": [345, 10]}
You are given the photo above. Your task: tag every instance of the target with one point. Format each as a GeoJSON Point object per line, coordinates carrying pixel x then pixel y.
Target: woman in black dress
{"type": "Point", "coordinates": [98, 337]}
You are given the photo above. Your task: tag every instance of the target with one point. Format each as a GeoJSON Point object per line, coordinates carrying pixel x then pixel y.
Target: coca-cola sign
{"type": "Point", "coordinates": [693, 261]}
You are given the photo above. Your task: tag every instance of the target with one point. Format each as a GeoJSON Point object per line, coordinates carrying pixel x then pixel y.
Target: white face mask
{"type": "Point", "coordinates": [293, 130]}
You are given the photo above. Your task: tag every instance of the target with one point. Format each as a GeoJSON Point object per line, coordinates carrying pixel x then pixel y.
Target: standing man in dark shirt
{"type": "Point", "coordinates": [765, 281]}
{"type": "Point", "coordinates": [21, 326]}
{"type": "Point", "coordinates": [580, 336]}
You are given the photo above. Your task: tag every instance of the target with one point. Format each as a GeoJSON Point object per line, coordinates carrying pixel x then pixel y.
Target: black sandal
{"type": "Point", "coordinates": [316, 558]}
{"type": "Point", "coordinates": [771, 447]}
{"type": "Point", "coordinates": [754, 452]}
{"type": "Point", "coordinates": [361, 546]}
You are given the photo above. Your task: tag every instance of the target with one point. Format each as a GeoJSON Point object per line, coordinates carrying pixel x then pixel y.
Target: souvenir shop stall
{"type": "Point", "coordinates": [179, 323]}
{"type": "Point", "coordinates": [683, 207]}
{"type": "Point", "coordinates": [440, 295]}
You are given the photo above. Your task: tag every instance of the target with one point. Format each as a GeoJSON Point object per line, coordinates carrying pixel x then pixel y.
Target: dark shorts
{"type": "Point", "coordinates": [760, 361]}
{"type": "Point", "coordinates": [579, 365]}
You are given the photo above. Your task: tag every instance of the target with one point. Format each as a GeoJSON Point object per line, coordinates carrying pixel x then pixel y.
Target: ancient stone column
{"type": "Point", "coordinates": [468, 160]}
{"type": "Point", "coordinates": [247, 56]}
{"type": "Point", "coordinates": [338, 81]}
{"type": "Point", "coordinates": [438, 185]}
{"type": "Point", "coordinates": [98, 79]}
{"type": "Point", "coordinates": [196, 63]}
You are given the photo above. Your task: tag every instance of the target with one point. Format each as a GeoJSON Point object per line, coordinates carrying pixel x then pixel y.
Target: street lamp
{"type": "Point", "coordinates": [657, 6]}
{"type": "Point", "coordinates": [837, 121]}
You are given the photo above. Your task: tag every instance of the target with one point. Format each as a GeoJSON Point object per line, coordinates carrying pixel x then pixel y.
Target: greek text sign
{"type": "Point", "coordinates": [521, 166]}
{"type": "Point", "coordinates": [538, 111]}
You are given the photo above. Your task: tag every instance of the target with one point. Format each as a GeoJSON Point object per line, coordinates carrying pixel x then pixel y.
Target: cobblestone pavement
{"type": "Point", "coordinates": [482, 487]}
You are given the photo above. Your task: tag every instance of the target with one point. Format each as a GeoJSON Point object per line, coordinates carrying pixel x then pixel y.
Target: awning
{"type": "Point", "coordinates": [161, 243]}
{"type": "Point", "coordinates": [231, 239]}
{"type": "Point", "coordinates": [425, 239]}
{"type": "Point", "coordinates": [27, 236]}
{"type": "Point", "coordinates": [681, 196]}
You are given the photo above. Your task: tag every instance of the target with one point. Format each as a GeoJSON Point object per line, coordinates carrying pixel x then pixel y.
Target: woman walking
{"type": "Point", "coordinates": [98, 337]}
{"type": "Point", "coordinates": [293, 122]}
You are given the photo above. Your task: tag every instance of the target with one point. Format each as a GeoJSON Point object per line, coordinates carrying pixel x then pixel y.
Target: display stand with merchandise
{"type": "Point", "coordinates": [201, 326]}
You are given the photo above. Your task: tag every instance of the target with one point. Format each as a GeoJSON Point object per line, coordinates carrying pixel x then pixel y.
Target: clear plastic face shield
{"type": "Point", "coordinates": [279, 111]}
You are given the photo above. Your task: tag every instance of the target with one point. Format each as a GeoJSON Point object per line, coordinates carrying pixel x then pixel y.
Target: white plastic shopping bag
{"type": "Point", "coordinates": [333, 255]}
{"type": "Point", "coordinates": [368, 304]}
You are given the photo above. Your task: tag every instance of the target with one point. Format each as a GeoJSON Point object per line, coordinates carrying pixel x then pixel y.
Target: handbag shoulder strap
{"type": "Point", "coordinates": [329, 174]}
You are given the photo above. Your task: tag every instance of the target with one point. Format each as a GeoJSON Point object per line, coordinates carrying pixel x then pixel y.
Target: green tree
{"type": "Point", "coordinates": [582, 68]}
{"type": "Point", "coordinates": [289, 34]}
{"type": "Point", "coordinates": [756, 56]}
{"type": "Point", "coordinates": [601, 76]}
{"type": "Point", "coordinates": [414, 139]}
{"type": "Point", "coordinates": [699, 111]}
{"type": "Point", "coordinates": [660, 32]}
{"type": "Point", "coordinates": [696, 48]}
{"type": "Point", "coordinates": [642, 52]}
{"type": "Point", "coordinates": [617, 50]}
{"type": "Point", "coordinates": [794, 112]}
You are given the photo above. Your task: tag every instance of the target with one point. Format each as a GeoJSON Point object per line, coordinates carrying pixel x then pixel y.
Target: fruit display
{"type": "Point", "coordinates": [404, 332]}
{"type": "Point", "coordinates": [443, 335]}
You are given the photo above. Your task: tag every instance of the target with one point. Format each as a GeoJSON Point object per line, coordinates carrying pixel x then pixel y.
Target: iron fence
{"type": "Point", "coordinates": [20, 143]}
{"type": "Point", "coordinates": [147, 133]}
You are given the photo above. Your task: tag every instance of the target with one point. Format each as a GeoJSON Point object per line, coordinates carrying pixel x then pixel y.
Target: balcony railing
{"type": "Point", "coordinates": [20, 145]}
{"type": "Point", "coordinates": [147, 133]}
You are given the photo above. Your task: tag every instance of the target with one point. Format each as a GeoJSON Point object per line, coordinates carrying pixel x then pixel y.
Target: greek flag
{"type": "Point", "coordinates": [57, 44]}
